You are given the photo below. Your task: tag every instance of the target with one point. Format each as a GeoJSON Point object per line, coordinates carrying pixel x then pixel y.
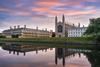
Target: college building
{"type": "Point", "coordinates": [62, 29]}
{"type": "Point", "coordinates": [76, 32]}
{"type": "Point", "coordinates": [67, 30]}
{"type": "Point", "coordinates": [24, 32]}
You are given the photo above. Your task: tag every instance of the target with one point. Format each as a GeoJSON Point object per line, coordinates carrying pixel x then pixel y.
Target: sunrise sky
{"type": "Point", "coordinates": [41, 13]}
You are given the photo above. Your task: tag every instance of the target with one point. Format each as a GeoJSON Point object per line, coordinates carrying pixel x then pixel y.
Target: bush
{"type": "Point", "coordinates": [1, 36]}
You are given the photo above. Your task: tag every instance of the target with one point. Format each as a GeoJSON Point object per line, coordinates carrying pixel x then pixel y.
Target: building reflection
{"type": "Point", "coordinates": [16, 49]}
{"type": "Point", "coordinates": [62, 53]}
{"type": "Point", "coordinates": [93, 56]}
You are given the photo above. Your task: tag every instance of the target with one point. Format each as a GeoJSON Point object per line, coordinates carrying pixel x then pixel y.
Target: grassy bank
{"type": "Point", "coordinates": [49, 40]}
{"type": "Point", "coordinates": [49, 45]}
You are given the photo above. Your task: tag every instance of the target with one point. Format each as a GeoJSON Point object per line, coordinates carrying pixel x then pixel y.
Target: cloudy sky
{"type": "Point", "coordinates": [41, 13]}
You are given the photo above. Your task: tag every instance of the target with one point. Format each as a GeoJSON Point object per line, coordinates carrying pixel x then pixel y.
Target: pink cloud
{"type": "Point", "coordinates": [49, 3]}
{"type": "Point", "coordinates": [46, 6]}
{"type": "Point", "coordinates": [80, 12]}
{"type": "Point", "coordinates": [44, 9]}
{"type": "Point", "coordinates": [89, 10]}
{"type": "Point", "coordinates": [72, 12]}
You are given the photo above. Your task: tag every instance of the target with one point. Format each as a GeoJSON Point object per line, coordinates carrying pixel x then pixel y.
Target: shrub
{"type": "Point", "coordinates": [1, 36]}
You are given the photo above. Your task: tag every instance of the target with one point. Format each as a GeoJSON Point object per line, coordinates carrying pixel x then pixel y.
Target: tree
{"type": "Point", "coordinates": [94, 28]}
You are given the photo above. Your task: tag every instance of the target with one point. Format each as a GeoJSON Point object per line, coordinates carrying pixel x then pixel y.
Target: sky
{"type": "Point", "coordinates": [42, 13]}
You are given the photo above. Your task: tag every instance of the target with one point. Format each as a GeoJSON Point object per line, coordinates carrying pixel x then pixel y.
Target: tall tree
{"type": "Point", "coordinates": [94, 27]}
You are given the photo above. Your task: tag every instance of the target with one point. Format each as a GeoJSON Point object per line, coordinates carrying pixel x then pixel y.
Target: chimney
{"type": "Point", "coordinates": [45, 29]}
{"type": "Point", "coordinates": [83, 25]}
{"type": "Point", "coordinates": [78, 24]}
{"type": "Point", "coordinates": [37, 28]}
{"type": "Point", "coordinates": [73, 25]}
{"type": "Point", "coordinates": [24, 26]}
{"type": "Point", "coordinates": [18, 26]}
{"type": "Point", "coordinates": [14, 27]}
{"type": "Point", "coordinates": [10, 27]}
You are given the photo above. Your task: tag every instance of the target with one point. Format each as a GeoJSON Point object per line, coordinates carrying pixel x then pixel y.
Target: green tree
{"type": "Point", "coordinates": [94, 29]}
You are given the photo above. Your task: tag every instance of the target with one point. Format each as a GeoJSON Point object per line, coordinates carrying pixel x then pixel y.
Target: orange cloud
{"type": "Point", "coordinates": [49, 3]}
{"type": "Point", "coordinates": [53, 3]}
{"type": "Point", "coordinates": [44, 9]}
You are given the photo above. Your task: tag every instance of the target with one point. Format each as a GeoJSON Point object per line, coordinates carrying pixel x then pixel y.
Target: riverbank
{"type": "Point", "coordinates": [49, 45]}
{"type": "Point", "coordinates": [79, 40]}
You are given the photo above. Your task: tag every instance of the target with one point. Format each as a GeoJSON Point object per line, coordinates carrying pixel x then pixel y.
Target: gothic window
{"type": "Point", "coordinates": [60, 28]}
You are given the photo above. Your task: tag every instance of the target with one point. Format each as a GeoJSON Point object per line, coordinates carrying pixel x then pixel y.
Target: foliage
{"type": "Point", "coordinates": [94, 26]}
{"type": "Point", "coordinates": [1, 36]}
{"type": "Point", "coordinates": [94, 29]}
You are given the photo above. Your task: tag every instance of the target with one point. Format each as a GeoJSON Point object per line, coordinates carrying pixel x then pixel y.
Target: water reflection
{"type": "Point", "coordinates": [18, 48]}
{"type": "Point", "coordinates": [43, 56]}
{"type": "Point", "coordinates": [63, 53]}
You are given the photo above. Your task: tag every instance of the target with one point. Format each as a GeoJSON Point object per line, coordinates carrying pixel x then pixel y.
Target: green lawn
{"type": "Point", "coordinates": [48, 40]}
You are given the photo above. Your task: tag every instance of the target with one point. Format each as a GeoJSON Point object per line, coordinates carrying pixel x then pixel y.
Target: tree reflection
{"type": "Point", "coordinates": [93, 56]}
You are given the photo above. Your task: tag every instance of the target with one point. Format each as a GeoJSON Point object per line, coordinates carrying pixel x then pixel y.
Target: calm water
{"type": "Point", "coordinates": [21, 55]}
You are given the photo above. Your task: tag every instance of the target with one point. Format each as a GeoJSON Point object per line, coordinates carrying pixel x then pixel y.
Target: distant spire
{"type": "Point", "coordinates": [78, 24]}
{"type": "Point", "coordinates": [56, 20]}
{"type": "Point", "coordinates": [63, 18]}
